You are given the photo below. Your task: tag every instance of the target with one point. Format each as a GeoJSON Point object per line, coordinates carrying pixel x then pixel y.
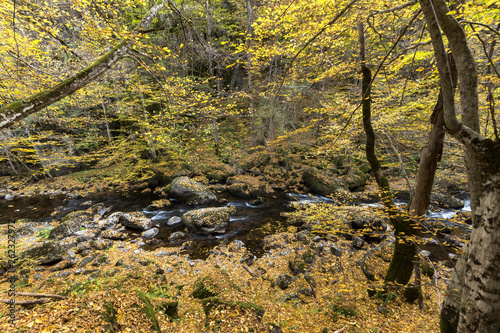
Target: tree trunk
{"type": "Point", "coordinates": [473, 300]}
{"type": "Point", "coordinates": [480, 302]}
{"type": "Point", "coordinates": [430, 155]}
{"type": "Point", "coordinates": [401, 266]}
{"type": "Point", "coordinates": [16, 111]}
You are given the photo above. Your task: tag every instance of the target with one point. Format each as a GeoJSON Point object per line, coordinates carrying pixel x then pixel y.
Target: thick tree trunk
{"type": "Point", "coordinates": [16, 111]}
{"type": "Point", "coordinates": [401, 266]}
{"type": "Point", "coordinates": [472, 303]}
{"type": "Point", "coordinates": [480, 303]}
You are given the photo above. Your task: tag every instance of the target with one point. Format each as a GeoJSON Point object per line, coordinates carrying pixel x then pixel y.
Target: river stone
{"type": "Point", "coordinates": [136, 220]}
{"type": "Point", "coordinates": [159, 204]}
{"type": "Point", "coordinates": [46, 253]}
{"type": "Point", "coordinates": [208, 221]}
{"type": "Point", "coordinates": [177, 235]}
{"type": "Point", "coordinates": [174, 220]}
{"type": "Point", "coordinates": [151, 233]}
{"type": "Point", "coordinates": [9, 196]}
{"type": "Point", "coordinates": [86, 234]}
{"type": "Point", "coordinates": [190, 191]}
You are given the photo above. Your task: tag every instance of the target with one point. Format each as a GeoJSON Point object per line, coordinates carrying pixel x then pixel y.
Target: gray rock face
{"type": "Point", "coordinates": [190, 191]}
{"type": "Point", "coordinates": [208, 220]}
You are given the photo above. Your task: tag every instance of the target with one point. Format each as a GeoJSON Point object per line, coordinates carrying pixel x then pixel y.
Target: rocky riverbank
{"type": "Point", "coordinates": [302, 271]}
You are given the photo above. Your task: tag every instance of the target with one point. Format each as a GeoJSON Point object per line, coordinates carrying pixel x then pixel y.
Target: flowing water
{"type": "Point", "coordinates": [250, 224]}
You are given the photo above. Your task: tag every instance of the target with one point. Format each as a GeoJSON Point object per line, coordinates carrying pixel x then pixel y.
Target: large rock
{"type": "Point", "coordinates": [66, 229]}
{"type": "Point", "coordinates": [190, 191]}
{"type": "Point", "coordinates": [208, 220]}
{"type": "Point", "coordinates": [46, 253]}
{"type": "Point", "coordinates": [219, 172]}
{"type": "Point", "coordinates": [244, 186]}
{"type": "Point", "coordinates": [355, 179]}
{"type": "Point", "coordinates": [134, 220]}
{"type": "Point", "coordinates": [324, 184]}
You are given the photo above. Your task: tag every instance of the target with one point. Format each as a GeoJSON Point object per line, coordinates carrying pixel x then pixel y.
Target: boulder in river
{"type": "Point", "coordinates": [133, 220]}
{"type": "Point", "coordinates": [190, 191]}
{"type": "Point", "coordinates": [244, 186]}
{"type": "Point", "coordinates": [208, 221]}
{"type": "Point", "coordinates": [327, 185]}
{"type": "Point", "coordinates": [159, 204]}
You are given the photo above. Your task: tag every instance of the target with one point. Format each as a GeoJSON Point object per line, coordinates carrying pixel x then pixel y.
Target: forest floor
{"type": "Point", "coordinates": [331, 296]}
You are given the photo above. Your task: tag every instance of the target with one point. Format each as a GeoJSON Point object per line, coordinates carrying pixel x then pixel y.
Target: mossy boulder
{"type": "Point", "coordinates": [46, 253]}
{"type": "Point", "coordinates": [159, 204]}
{"type": "Point", "coordinates": [219, 172]}
{"type": "Point", "coordinates": [283, 281]}
{"type": "Point", "coordinates": [208, 221]}
{"type": "Point", "coordinates": [322, 183]}
{"type": "Point", "coordinates": [91, 214]}
{"type": "Point", "coordinates": [170, 309]}
{"type": "Point", "coordinates": [189, 191]}
{"type": "Point", "coordinates": [66, 229]}
{"type": "Point", "coordinates": [355, 179]}
{"type": "Point", "coordinates": [244, 186]}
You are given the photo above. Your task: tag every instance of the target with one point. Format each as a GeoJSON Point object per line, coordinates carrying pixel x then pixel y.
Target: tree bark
{"type": "Point", "coordinates": [401, 266]}
{"type": "Point", "coordinates": [473, 300]}
{"type": "Point", "coordinates": [430, 155]}
{"type": "Point", "coordinates": [16, 111]}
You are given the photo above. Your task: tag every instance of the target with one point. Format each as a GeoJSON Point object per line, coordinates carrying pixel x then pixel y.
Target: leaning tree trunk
{"type": "Point", "coordinates": [473, 300]}
{"type": "Point", "coordinates": [401, 266]}
{"type": "Point", "coordinates": [16, 111]}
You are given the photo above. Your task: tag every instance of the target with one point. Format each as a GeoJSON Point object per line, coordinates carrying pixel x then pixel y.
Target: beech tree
{"type": "Point", "coordinates": [16, 111]}
{"type": "Point", "coordinates": [473, 300]}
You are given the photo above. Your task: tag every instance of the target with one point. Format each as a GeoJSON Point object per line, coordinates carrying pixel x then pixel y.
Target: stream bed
{"type": "Point", "coordinates": [251, 222]}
